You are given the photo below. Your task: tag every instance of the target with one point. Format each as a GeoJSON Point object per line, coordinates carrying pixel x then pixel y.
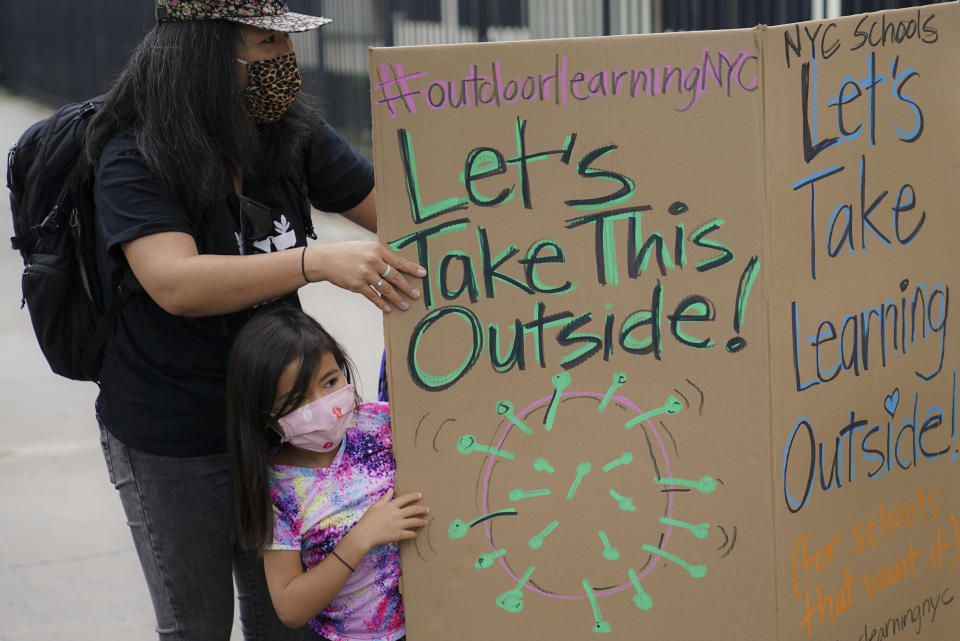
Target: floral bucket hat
{"type": "Point", "coordinates": [266, 14]}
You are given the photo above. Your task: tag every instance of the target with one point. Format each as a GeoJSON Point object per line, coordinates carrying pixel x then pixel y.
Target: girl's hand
{"type": "Point", "coordinates": [391, 519]}
{"type": "Point", "coordinates": [367, 268]}
{"type": "Point", "coordinates": [299, 595]}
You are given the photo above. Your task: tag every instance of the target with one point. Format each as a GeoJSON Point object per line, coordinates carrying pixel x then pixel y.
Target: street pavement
{"type": "Point", "coordinates": [68, 569]}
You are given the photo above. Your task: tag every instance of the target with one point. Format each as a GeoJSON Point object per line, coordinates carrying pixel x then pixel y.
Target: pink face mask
{"type": "Point", "coordinates": [319, 426]}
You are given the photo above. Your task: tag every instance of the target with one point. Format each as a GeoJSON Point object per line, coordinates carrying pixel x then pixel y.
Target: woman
{"type": "Point", "coordinates": [204, 166]}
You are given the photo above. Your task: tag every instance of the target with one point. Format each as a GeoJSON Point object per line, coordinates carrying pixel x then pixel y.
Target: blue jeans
{"type": "Point", "coordinates": [178, 510]}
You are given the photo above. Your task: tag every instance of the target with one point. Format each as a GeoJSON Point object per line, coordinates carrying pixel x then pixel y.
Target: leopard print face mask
{"type": "Point", "coordinates": [271, 87]}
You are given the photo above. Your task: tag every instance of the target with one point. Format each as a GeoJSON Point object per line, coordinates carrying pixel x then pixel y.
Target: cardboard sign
{"type": "Point", "coordinates": [862, 185]}
{"type": "Point", "coordinates": [681, 367]}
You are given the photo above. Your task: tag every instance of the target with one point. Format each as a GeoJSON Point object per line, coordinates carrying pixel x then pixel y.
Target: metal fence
{"type": "Point", "coordinates": [66, 50]}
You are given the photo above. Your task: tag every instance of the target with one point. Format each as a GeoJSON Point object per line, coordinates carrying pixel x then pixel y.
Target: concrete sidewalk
{"type": "Point", "coordinates": [68, 569]}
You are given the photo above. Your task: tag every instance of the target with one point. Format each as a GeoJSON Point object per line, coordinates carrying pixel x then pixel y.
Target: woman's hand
{"type": "Point", "coordinates": [391, 519]}
{"type": "Point", "coordinates": [367, 268]}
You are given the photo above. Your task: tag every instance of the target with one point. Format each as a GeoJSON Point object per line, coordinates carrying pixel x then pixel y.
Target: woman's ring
{"type": "Point", "coordinates": [387, 270]}
{"type": "Point", "coordinates": [376, 291]}
{"type": "Point", "coordinates": [379, 283]}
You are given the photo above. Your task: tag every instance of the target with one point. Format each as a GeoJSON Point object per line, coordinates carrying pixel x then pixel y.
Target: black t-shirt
{"type": "Point", "coordinates": [163, 380]}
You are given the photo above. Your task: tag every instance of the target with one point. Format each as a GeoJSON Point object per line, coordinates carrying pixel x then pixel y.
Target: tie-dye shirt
{"type": "Point", "coordinates": [315, 507]}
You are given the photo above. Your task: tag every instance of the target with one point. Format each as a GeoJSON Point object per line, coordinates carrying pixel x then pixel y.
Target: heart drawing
{"type": "Point", "coordinates": [890, 402]}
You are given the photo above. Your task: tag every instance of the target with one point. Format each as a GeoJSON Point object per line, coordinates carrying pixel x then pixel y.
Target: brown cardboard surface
{"type": "Point", "coordinates": [596, 392]}
{"type": "Point", "coordinates": [871, 549]}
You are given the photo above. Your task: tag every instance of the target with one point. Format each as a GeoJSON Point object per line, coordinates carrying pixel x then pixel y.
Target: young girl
{"type": "Point", "coordinates": [313, 480]}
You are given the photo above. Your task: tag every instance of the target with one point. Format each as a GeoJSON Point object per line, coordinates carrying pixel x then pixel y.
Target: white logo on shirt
{"type": "Point", "coordinates": [285, 238]}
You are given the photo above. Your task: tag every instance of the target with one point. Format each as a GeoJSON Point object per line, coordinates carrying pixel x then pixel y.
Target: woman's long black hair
{"type": "Point", "coordinates": [179, 98]}
{"type": "Point", "coordinates": [270, 341]}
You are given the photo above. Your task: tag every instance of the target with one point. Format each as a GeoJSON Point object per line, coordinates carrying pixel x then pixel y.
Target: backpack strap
{"type": "Point", "coordinates": [128, 286]}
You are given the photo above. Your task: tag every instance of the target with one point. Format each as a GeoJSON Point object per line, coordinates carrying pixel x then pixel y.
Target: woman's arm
{"type": "Point", "coordinates": [364, 214]}
{"type": "Point", "coordinates": [186, 283]}
{"type": "Point", "coordinates": [299, 596]}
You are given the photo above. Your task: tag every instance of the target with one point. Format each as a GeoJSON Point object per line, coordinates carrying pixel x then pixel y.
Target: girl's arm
{"type": "Point", "coordinates": [186, 283]}
{"type": "Point", "coordinates": [299, 596]}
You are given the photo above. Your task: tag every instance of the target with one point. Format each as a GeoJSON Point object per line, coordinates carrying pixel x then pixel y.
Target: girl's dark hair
{"type": "Point", "coordinates": [179, 98]}
{"type": "Point", "coordinates": [269, 342]}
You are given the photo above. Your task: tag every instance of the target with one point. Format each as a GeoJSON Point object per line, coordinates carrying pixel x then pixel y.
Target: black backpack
{"type": "Point", "coordinates": [54, 230]}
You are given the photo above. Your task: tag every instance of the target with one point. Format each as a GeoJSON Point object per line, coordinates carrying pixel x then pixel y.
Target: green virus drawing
{"type": "Point", "coordinates": [535, 511]}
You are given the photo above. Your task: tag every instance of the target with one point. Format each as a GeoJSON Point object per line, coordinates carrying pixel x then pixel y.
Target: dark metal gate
{"type": "Point", "coordinates": [62, 51]}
